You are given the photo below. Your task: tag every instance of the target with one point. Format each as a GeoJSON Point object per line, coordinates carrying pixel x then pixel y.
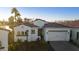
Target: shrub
{"type": "Point", "coordinates": [11, 47]}
{"type": "Point", "coordinates": [19, 41]}
{"type": "Point", "coordinates": [28, 46]}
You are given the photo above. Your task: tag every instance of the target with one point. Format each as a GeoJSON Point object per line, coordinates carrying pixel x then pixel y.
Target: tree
{"type": "Point", "coordinates": [26, 20]}
{"type": "Point", "coordinates": [19, 20]}
{"type": "Point", "coordinates": [11, 22]}
{"type": "Point", "coordinates": [11, 25]}
{"type": "Point", "coordinates": [16, 13]}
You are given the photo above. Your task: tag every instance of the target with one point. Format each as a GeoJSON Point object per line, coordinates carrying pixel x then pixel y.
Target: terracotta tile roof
{"type": "Point", "coordinates": [27, 24]}
{"type": "Point", "coordinates": [31, 25]}
{"type": "Point", "coordinates": [55, 25]}
{"type": "Point", "coordinates": [74, 24]}
{"type": "Point", "coordinates": [4, 29]}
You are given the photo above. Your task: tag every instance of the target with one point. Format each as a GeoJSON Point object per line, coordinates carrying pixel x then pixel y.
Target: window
{"type": "Point", "coordinates": [18, 33]}
{"type": "Point", "coordinates": [32, 31]}
{"type": "Point", "coordinates": [22, 33]}
{"type": "Point", "coordinates": [26, 33]}
{"type": "Point", "coordinates": [77, 35]}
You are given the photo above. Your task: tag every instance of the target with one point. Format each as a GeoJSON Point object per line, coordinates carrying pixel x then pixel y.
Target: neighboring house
{"type": "Point", "coordinates": [74, 30]}
{"type": "Point", "coordinates": [39, 22]}
{"type": "Point", "coordinates": [26, 31]}
{"type": "Point", "coordinates": [4, 39]}
{"type": "Point", "coordinates": [56, 32]}
{"type": "Point", "coordinates": [75, 35]}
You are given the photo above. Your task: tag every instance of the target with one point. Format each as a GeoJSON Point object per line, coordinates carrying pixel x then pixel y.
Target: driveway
{"type": "Point", "coordinates": [63, 46]}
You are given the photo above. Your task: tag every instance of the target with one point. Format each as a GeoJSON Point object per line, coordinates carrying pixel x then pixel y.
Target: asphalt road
{"type": "Point", "coordinates": [63, 46]}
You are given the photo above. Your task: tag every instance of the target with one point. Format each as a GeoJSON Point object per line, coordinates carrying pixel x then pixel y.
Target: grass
{"type": "Point", "coordinates": [39, 45]}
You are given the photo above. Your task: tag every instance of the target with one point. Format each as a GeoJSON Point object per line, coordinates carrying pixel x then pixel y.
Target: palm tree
{"type": "Point", "coordinates": [11, 21]}
{"type": "Point", "coordinates": [16, 13]}
{"type": "Point", "coordinates": [19, 20]}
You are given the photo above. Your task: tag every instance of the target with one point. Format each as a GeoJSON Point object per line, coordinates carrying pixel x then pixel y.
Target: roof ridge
{"type": "Point", "coordinates": [27, 24]}
{"type": "Point", "coordinates": [54, 24]}
{"type": "Point", "coordinates": [40, 19]}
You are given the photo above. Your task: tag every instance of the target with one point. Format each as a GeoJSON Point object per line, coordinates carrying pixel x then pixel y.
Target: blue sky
{"type": "Point", "coordinates": [45, 13]}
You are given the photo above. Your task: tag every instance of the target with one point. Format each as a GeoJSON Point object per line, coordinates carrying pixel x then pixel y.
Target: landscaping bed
{"type": "Point", "coordinates": [39, 45]}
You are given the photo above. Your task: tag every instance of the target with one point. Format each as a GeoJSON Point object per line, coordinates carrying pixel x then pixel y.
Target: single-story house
{"type": "Point", "coordinates": [4, 39]}
{"type": "Point", "coordinates": [25, 31]}
{"type": "Point", "coordinates": [75, 35]}
{"type": "Point", "coordinates": [74, 30]}
{"type": "Point", "coordinates": [56, 32]}
{"type": "Point", "coordinates": [39, 22]}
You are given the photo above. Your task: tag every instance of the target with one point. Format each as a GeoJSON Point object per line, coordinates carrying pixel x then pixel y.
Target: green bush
{"type": "Point", "coordinates": [11, 47]}
{"type": "Point", "coordinates": [28, 46]}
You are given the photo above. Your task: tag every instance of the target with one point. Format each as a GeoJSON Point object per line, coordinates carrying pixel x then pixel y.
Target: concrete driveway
{"type": "Point", "coordinates": [63, 46]}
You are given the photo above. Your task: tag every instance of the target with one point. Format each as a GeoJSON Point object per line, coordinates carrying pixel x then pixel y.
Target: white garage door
{"type": "Point", "coordinates": [57, 35]}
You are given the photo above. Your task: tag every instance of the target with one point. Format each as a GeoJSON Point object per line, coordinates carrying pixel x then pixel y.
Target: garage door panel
{"type": "Point", "coordinates": [57, 36]}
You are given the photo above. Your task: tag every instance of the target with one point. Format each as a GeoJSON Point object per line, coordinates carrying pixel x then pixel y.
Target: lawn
{"type": "Point", "coordinates": [39, 45]}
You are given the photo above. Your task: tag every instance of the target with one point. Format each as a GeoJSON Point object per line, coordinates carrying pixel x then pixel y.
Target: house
{"type": "Point", "coordinates": [25, 31]}
{"type": "Point", "coordinates": [74, 30]}
{"type": "Point", "coordinates": [56, 32]}
{"type": "Point", "coordinates": [39, 22]}
{"type": "Point", "coordinates": [4, 39]}
{"type": "Point", "coordinates": [75, 35]}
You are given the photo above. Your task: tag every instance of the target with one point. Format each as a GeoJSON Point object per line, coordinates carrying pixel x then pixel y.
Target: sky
{"type": "Point", "coordinates": [45, 13]}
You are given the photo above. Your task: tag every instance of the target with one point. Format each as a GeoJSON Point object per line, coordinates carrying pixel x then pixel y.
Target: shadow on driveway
{"type": "Point", "coordinates": [62, 46]}
{"type": "Point", "coordinates": [50, 48]}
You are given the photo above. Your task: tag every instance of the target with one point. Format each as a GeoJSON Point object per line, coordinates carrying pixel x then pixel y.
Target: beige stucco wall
{"type": "Point", "coordinates": [31, 37]}
{"type": "Point", "coordinates": [4, 39]}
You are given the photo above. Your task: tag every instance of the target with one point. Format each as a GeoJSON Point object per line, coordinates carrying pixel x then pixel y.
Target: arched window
{"type": "Point", "coordinates": [22, 33]}
{"type": "Point", "coordinates": [32, 31]}
{"type": "Point", "coordinates": [26, 33]}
